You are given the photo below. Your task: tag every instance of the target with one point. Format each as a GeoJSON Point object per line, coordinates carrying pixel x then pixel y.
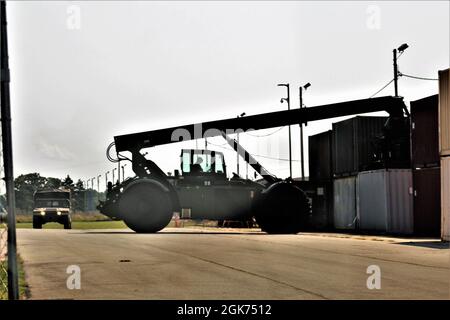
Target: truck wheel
{"type": "Point", "coordinates": [146, 207]}
{"type": "Point", "coordinates": [67, 223]}
{"type": "Point", "coordinates": [37, 224]}
{"type": "Point", "coordinates": [282, 209]}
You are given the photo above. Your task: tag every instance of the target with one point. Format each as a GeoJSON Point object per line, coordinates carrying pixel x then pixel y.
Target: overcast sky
{"type": "Point", "coordinates": [83, 72]}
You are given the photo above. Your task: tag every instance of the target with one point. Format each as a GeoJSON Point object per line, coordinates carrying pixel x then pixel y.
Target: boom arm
{"type": "Point", "coordinates": [136, 141]}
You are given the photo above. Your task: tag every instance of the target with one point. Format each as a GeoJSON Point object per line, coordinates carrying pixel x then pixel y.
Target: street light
{"type": "Point", "coordinates": [237, 147]}
{"type": "Point", "coordinates": [113, 174]}
{"type": "Point", "coordinates": [106, 179]}
{"type": "Point", "coordinates": [302, 162]}
{"type": "Point", "coordinates": [123, 172]}
{"type": "Point", "coordinates": [400, 50]}
{"type": "Point", "coordinates": [98, 183]}
{"type": "Point", "coordinates": [288, 100]}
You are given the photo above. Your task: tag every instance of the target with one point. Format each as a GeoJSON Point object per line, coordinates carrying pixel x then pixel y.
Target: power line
{"type": "Point", "coordinates": [264, 135]}
{"type": "Point", "coordinates": [384, 87]}
{"type": "Point", "coordinates": [418, 78]}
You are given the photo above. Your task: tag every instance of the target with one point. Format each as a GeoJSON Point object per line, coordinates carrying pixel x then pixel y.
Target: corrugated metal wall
{"type": "Point", "coordinates": [372, 204]}
{"type": "Point", "coordinates": [444, 112]}
{"type": "Point", "coordinates": [425, 132]}
{"type": "Point", "coordinates": [445, 198]}
{"type": "Point", "coordinates": [352, 144]}
{"type": "Point", "coordinates": [384, 201]}
{"type": "Point", "coordinates": [427, 202]}
{"type": "Point", "coordinates": [400, 194]}
{"type": "Point", "coordinates": [320, 163]}
{"type": "Point", "coordinates": [344, 204]}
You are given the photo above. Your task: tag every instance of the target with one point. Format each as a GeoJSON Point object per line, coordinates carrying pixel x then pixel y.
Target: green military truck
{"type": "Point", "coordinates": [52, 206]}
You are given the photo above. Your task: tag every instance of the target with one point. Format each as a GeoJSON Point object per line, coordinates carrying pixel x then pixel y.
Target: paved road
{"type": "Point", "coordinates": [213, 264]}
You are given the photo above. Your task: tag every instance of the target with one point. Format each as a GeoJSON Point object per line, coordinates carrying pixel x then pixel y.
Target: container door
{"type": "Point", "coordinates": [345, 203]}
{"type": "Point", "coordinates": [427, 202]}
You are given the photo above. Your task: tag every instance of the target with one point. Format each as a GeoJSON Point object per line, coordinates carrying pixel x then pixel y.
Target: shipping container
{"type": "Point", "coordinates": [444, 112]}
{"type": "Point", "coordinates": [385, 201]}
{"type": "Point", "coordinates": [353, 144]}
{"type": "Point", "coordinates": [322, 206]}
{"type": "Point", "coordinates": [427, 202]}
{"type": "Point", "coordinates": [445, 198]}
{"type": "Point", "coordinates": [425, 133]}
{"type": "Point", "coordinates": [319, 152]}
{"type": "Point", "coordinates": [344, 203]}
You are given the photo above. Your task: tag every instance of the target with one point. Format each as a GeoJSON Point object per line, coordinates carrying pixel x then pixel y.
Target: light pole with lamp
{"type": "Point", "coordinates": [113, 174]}
{"type": "Point", "coordinates": [237, 154]}
{"type": "Point", "coordinates": [302, 162]}
{"type": "Point", "coordinates": [123, 172]}
{"type": "Point", "coordinates": [98, 183]}
{"type": "Point", "coordinates": [288, 100]}
{"type": "Point", "coordinates": [106, 179]}
{"type": "Point", "coordinates": [400, 50]}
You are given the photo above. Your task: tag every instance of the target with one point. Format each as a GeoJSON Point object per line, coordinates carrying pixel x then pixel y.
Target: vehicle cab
{"type": "Point", "coordinates": [52, 206]}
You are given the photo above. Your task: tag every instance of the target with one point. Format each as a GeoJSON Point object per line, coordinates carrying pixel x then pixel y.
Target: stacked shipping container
{"type": "Point", "coordinates": [352, 152]}
{"type": "Point", "coordinates": [426, 163]}
{"type": "Point", "coordinates": [372, 177]}
{"type": "Point", "coordinates": [353, 144]}
{"type": "Point", "coordinates": [444, 149]}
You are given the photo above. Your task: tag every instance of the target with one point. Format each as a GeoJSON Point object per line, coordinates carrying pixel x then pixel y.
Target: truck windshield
{"type": "Point", "coordinates": [59, 203]}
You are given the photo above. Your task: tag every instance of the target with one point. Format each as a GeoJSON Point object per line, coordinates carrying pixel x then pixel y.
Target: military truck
{"type": "Point", "coordinates": [52, 206]}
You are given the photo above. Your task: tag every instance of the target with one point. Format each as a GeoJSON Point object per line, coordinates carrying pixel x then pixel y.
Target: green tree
{"type": "Point", "coordinates": [53, 183]}
{"type": "Point", "coordinates": [25, 187]}
{"type": "Point", "coordinates": [68, 183]}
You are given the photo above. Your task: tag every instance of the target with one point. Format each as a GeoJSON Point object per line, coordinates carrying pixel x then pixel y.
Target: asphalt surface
{"type": "Point", "coordinates": [226, 264]}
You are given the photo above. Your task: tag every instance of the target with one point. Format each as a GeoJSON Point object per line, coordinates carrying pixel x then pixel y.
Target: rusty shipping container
{"type": "Point", "coordinates": [444, 113]}
{"type": "Point", "coordinates": [385, 201]}
{"type": "Point", "coordinates": [424, 132]}
{"type": "Point", "coordinates": [427, 202]}
{"type": "Point", "coordinates": [319, 153]}
{"type": "Point", "coordinates": [445, 198]}
{"type": "Point", "coordinates": [353, 144]}
{"type": "Point", "coordinates": [344, 203]}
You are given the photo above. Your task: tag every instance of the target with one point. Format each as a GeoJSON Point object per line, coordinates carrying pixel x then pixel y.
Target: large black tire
{"type": "Point", "coordinates": [146, 207]}
{"type": "Point", "coordinates": [37, 224]}
{"type": "Point", "coordinates": [67, 223]}
{"type": "Point", "coordinates": [282, 209]}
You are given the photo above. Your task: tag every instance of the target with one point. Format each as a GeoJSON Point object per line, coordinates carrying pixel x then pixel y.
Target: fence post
{"type": "Point", "coordinates": [13, 287]}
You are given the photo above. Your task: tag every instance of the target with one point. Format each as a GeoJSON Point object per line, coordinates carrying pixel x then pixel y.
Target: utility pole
{"type": "Point", "coordinates": [288, 100]}
{"type": "Point", "coordinates": [400, 50]}
{"type": "Point", "coordinates": [394, 52]}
